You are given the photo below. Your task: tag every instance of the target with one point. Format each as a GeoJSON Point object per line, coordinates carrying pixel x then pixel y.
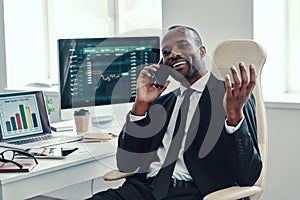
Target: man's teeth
{"type": "Point", "coordinates": [179, 63]}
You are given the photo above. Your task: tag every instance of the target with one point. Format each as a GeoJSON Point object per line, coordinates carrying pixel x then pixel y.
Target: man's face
{"type": "Point", "coordinates": [180, 52]}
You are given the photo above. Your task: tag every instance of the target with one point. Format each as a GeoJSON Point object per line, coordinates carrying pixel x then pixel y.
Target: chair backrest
{"type": "Point", "coordinates": [231, 52]}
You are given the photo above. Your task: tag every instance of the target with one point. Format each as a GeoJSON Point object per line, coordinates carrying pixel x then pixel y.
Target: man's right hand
{"type": "Point", "coordinates": [146, 92]}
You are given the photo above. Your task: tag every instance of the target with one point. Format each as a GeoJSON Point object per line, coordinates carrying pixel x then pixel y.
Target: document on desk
{"type": "Point", "coordinates": [98, 137]}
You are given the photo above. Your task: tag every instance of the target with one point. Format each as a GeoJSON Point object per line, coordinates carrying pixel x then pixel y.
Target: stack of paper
{"type": "Point", "coordinates": [97, 137]}
{"type": "Point", "coordinates": [62, 126]}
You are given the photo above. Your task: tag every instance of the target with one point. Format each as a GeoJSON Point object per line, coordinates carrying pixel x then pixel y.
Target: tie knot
{"type": "Point", "coordinates": [188, 92]}
{"type": "Point", "coordinates": [186, 98]}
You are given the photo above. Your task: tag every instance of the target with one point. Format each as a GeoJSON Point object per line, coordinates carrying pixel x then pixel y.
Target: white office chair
{"type": "Point", "coordinates": [227, 54]}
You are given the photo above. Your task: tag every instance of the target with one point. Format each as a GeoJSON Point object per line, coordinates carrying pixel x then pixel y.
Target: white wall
{"type": "Point", "coordinates": [214, 19]}
{"type": "Point", "coordinates": [220, 20]}
{"type": "Point", "coordinates": [283, 159]}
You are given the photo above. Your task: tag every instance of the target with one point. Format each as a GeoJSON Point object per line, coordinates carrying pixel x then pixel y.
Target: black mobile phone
{"type": "Point", "coordinates": [161, 75]}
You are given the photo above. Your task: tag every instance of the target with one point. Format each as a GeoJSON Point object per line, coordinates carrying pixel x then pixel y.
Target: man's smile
{"type": "Point", "coordinates": [179, 63]}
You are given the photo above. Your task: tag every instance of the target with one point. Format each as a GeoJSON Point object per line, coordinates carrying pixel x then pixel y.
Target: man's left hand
{"type": "Point", "coordinates": [237, 95]}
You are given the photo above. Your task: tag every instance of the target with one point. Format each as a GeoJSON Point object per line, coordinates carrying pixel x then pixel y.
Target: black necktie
{"type": "Point", "coordinates": [162, 180]}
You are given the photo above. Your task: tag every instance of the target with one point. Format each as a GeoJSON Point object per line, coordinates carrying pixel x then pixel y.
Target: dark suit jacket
{"type": "Point", "coordinates": [214, 158]}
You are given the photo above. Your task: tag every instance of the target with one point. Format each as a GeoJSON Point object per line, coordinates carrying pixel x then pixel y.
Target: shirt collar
{"type": "Point", "coordinates": [199, 85]}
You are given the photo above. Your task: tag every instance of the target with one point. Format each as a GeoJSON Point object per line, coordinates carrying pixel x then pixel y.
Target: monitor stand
{"type": "Point", "coordinates": [105, 123]}
{"type": "Point", "coordinates": [102, 119]}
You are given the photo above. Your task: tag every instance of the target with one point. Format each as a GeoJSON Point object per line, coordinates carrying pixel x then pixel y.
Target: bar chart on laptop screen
{"type": "Point", "coordinates": [19, 115]}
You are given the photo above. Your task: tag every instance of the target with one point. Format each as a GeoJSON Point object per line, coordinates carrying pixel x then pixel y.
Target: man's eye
{"type": "Point", "coordinates": [165, 52]}
{"type": "Point", "coordinates": [182, 45]}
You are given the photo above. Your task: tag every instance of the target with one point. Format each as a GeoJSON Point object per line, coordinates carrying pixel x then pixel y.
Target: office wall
{"type": "Point", "coordinates": [220, 20]}
{"type": "Point", "coordinates": [214, 19]}
{"type": "Point", "coordinates": [283, 159]}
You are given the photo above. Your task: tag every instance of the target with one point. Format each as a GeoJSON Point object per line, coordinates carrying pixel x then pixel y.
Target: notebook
{"type": "Point", "coordinates": [24, 122]}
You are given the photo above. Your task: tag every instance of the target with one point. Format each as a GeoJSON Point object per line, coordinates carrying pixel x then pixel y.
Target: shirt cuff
{"type": "Point", "coordinates": [134, 118]}
{"type": "Point", "coordinates": [232, 129]}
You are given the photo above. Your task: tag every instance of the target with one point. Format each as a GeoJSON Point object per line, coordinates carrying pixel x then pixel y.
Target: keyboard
{"type": "Point", "coordinates": [30, 140]}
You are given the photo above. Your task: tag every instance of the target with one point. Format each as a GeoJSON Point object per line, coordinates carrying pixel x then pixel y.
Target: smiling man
{"type": "Point", "coordinates": [192, 141]}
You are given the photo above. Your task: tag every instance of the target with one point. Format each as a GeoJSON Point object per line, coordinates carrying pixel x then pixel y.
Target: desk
{"type": "Point", "coordinates": [91, 162]}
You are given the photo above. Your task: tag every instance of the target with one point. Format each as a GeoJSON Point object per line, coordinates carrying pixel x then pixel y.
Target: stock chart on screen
{"type": "Point", "coordinates": [101, 71]}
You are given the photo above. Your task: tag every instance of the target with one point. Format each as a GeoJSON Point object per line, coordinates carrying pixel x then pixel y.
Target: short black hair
{"type": "Point", "coordinates": [191, 32]}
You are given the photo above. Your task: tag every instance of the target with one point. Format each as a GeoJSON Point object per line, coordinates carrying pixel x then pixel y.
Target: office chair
{"type": "Point", "coordinates": [227, 54]}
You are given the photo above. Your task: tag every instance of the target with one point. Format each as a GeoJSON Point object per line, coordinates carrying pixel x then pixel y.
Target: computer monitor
{"type": "Point", "coordinates": [95, 72]}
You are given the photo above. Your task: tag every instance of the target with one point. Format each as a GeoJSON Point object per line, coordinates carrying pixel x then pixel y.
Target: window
{"type": "Point", "coordinates": [32, 28]}
{"type": "Point", "coordinates": [25, 38]}
{"type": "Point", "coordinates": [134, 14]}
{"type": "Point", "coordinates": [278, 30]}
{"type": "Point", "coordinates": [75, 19]}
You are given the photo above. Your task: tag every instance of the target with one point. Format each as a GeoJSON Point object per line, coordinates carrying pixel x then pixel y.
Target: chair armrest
{"type": "Point", "coordinates": [233, 193]}
{"type": "Point", "coordinates": [116, 175]}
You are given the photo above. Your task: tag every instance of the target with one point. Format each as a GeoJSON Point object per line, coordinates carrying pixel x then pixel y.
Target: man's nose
{"type": "Point", "coordinates": [174, 54]}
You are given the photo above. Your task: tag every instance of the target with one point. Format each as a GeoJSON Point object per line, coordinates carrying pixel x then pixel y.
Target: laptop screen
{"type": "Point", "coordinates": [23, 114]}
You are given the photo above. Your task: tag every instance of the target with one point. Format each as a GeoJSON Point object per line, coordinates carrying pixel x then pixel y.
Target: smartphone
{"type": "Point", "coordinates": [161, 75]}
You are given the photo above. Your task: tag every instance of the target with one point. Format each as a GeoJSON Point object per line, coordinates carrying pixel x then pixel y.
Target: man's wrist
{"type": "Point", "coordinates": [139, 109]}
{"type": "Point", "coordinates": [234, 119]}
{"type": "Point", "coordinates": [231, 129]}
{"type": "Point", "coordinates": [134, 118]}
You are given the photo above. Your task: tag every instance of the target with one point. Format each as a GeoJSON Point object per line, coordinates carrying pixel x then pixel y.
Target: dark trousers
{"type": "Point", "coordinates": [133, 189]}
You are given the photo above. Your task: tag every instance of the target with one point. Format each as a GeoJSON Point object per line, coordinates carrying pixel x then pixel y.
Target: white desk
{"type": "Point", "coordinates": [78, 170]}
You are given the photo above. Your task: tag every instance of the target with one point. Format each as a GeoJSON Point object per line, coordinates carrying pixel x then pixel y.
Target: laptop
{"type": "Point", "coordinates": [24, 122]}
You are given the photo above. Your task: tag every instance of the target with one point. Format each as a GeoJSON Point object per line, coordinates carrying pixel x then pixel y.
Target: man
{"type": "Point", "coordinates": [214, 128]}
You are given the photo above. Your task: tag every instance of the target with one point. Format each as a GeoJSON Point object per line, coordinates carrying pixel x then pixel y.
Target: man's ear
{"type": "Point", "coordinates": [202, 51]}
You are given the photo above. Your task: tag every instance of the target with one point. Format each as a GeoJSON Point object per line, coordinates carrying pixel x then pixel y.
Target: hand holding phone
{"type": "Point", "coordinates": [161, 75]}
{"type": "Point", "coordinates": [150, 76]}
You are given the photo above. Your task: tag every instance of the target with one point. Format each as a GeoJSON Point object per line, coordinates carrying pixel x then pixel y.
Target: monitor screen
{"type": "Point", "coordinates": [103, 71]}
